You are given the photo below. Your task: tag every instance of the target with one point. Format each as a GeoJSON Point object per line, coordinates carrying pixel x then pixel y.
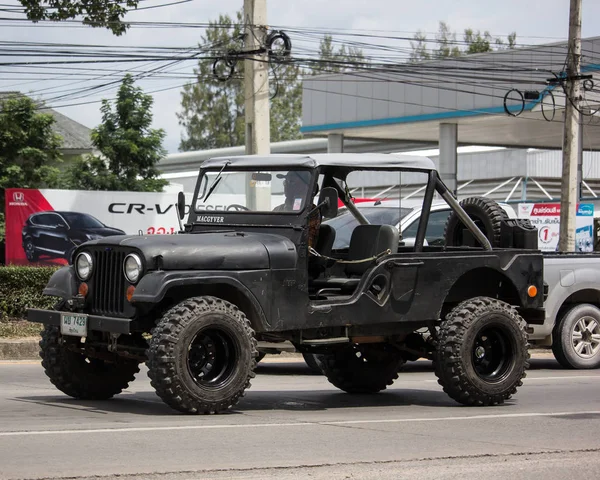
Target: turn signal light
{"type": "Point", "coordinates": [532, 291]}
{"type": "Point", "coordinates": [130, 291]}
{"type": "Point", "coordinates": [83, 289]}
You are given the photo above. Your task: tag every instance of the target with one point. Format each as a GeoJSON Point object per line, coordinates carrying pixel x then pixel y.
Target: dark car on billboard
{"type": "Point", "coordinates": [56, 234]}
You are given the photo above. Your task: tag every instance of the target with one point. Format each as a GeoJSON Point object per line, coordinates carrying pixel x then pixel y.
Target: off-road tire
{"type": "Point", "coordinates": [79, 376]}
{"type": "Point", "coordinates": [313, 362]}
{"type": "Point", "coordinates": [486, 213]}
{"type": "Point", "coordinates": [454, 362]}
{"type": "Point", "coordinates": [362, 369]}
{"type": "Point", "coordinates": [260, 356]}
{"type": "Point", "coordinates": [169, 355]}
{"type": "Point", "coordinates": [562, 338]}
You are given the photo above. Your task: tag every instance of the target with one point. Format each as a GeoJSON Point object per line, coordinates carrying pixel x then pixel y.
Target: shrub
{"type": "Point", "coordinates": [21, 288]}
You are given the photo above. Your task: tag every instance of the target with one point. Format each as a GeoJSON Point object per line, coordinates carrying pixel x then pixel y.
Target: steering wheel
{"type": "Point", "coordinates": [237, 207]}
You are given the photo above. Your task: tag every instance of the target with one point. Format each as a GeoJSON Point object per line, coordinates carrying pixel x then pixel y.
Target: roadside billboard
{"type": "Point", "coordinates": [43, 226]}
{"type": "Point", "coordinates": [546, 218]}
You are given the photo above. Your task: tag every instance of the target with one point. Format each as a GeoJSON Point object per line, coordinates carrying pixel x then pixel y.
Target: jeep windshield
{"type": "Point", "coordinates": [284, 191]}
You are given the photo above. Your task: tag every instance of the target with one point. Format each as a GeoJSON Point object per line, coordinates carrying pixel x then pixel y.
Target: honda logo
{"type": "Point", "coordinates": [18, 197]}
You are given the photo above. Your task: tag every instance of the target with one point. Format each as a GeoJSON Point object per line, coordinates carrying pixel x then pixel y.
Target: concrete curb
{"type": "Point", "coordinates": [19, 348]}
{"type": "Point", "coordinates": [28, 348]}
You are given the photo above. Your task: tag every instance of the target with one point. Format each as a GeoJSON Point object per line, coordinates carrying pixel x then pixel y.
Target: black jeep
{"type": "Point", "coordinates": [194, 305]}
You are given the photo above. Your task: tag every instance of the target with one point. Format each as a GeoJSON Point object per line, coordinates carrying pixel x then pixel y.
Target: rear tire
{"type": "Point", "coordinates": [202, 356]}
{"type": "Point", "coordinates": [313, 362]}
{"type": "Point", "coordinates": [362, 368]}
{"type": "Point", "coordinates": [486, 214]}
{"type": "Point", "coordinates": [81, 377]}
{"type": "Point", "coordinates": [482, 352]}
{"type": "Point", "coordinates": [576, 338]}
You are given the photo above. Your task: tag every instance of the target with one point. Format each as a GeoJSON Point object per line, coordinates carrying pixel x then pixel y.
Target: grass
{"type": "Point", "coordinates": [15, 328]}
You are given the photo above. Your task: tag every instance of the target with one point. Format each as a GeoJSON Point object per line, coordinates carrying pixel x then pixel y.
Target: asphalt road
{"type": "Point", "coordinates": [293, 424]}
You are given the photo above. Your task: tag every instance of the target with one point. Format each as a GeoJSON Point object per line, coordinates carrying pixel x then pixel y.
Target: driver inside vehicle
{"type": "Point", "coordinates": [295, 187]}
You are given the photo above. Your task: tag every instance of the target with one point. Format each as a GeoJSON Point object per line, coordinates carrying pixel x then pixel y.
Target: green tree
{"type": "Point", "coordinates": [419, 48]}
{"type": "Point", "coordinates": [96, 13]}
{"type": "Point", "coordinates": [29, 148]}
{"type": "Point", "coordinates": [477, 43]}
{"type": "Point", "coordinates": [446, 41]}
{"type": "Point", "coordinates": [212, 111]}
{"type": "Point", "coordinates": [448, 46]}
{"type": "Point", "coordinates": [130, 148]}
{"type": "Point", "coordinates": [332, 60]}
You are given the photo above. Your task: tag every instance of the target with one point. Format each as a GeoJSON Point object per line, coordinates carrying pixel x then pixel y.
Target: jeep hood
{"type": "Point", "coordinates": [209, 251]}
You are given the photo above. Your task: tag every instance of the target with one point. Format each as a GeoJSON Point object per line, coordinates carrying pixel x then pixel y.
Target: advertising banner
{"type": "Point", "coordinates": [546, 218]}
{"type": "Point", "coordinates": [43, 226]}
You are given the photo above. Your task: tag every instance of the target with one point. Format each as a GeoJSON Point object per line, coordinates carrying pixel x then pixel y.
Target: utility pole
{"type": "Point", "coordinates": [256, 79]}
{"type": "Point", "coordinates": [569, 187]}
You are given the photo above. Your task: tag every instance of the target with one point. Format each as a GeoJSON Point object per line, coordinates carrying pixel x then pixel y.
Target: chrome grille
{"type": "Point", "coordinates": [108, 289]}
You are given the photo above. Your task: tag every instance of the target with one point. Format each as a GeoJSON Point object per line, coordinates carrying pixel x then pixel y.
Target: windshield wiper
{"type": "Point", "coordinates": [215, 182]}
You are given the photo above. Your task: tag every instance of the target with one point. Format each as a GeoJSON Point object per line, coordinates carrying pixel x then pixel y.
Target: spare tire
{"type": "Point", "coordinates": [487, 215]}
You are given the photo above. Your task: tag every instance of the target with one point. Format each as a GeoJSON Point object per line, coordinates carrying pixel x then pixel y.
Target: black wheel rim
{"type": "Point", "coordinates": [492, 354]}
{"type": "Point", "coordinates": [212, 356]}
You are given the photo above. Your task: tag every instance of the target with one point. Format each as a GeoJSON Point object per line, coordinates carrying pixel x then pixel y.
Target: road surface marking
{"type": "Point", "coordinates": [296, 424]}
{"type": "Point", "coordinates": [528, 378]}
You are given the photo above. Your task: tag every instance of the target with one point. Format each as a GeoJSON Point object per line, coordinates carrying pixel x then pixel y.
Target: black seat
{"type": "Point", "coordinates": [325, 240]}
{"type": "Point", "coordinates": [367, 241]}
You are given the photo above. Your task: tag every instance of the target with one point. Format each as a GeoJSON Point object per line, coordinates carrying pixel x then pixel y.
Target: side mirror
{"type": "Point", "coordinates": [328, 202]}
{"type": "Point", "coordinates": [181, 205]}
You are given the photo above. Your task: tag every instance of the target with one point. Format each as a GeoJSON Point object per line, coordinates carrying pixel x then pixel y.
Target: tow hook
{"type": "Point", "coordinates": [112, 346]}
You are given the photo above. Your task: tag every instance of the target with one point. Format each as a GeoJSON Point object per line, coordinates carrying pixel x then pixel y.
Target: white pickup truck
{"type": "Point", "coordinates": [572, 325]}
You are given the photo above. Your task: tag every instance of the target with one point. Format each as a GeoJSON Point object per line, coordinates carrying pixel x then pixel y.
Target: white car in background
{"type": "Point", "coordinates": [403, 215]}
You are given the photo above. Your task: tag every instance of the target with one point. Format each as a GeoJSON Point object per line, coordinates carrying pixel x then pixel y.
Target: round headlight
{"type": "Point", "coordinates": [84, 265]}
{"type": "Point", "coordinates": [132, 267]}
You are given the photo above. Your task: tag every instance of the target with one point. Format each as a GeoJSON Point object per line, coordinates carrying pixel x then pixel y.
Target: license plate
{"type": "Point", "coordinates": [73, 324]}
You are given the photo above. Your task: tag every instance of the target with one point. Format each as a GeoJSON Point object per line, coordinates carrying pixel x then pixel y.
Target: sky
{"type": "Point", "coordinates": [534, 21]}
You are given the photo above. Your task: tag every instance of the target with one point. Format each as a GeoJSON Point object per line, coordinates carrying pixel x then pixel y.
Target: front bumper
{"type": "Point", "coordinates": [95, 322]}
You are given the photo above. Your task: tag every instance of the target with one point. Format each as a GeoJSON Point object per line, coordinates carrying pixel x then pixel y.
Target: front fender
{"type": "Point", "coordinates": [154, 286]}
{"type": "Point", "coordinates": [62, 283]}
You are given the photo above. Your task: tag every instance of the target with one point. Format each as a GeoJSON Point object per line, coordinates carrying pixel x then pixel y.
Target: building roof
{"type": "Point", "coordinates": [366, 161]}
{"type": "Point", "coordinates": [75, 135]}
{"type": "Point", "coordinates": [487, 95]}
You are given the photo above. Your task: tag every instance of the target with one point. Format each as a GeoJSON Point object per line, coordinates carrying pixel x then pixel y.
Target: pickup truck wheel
{"type": "Point", "coordinates": [81, 377]}
{"type": "Point", "coordinates": [486, 214]}
{"type": "Point", "coordinates": [576, 338]}
{"type": "Point", "coordinates": [482, 352]}
{"type": "Point", "coordinates": [362, 368]}
{"type": "Point", "coordinates": [202, 356]}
